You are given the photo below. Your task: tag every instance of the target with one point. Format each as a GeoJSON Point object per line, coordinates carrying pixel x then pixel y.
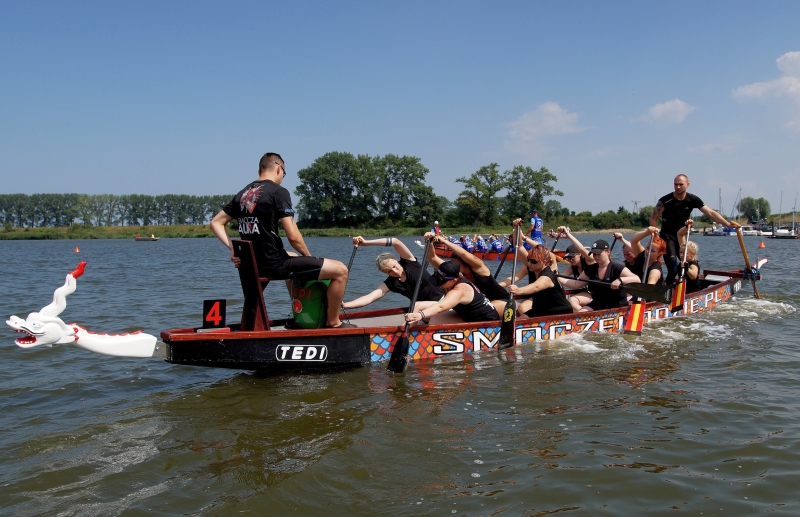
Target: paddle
{"type": "Point", "coordinates": [509, 321]}
{"type": "Point", "coordinates": [505, 255]}
{"type": "Point", "coordinates": [399, 359]}
{"type": "Point", "coordinates": [679, 292]}
{"type": "Point", "coordinates": [655, 293]}
{"type": "Point", "coordinates": [349, 265]}
{"type": "Point", "coordinates": [635, 320]}
{"type": "Point", "coordinates": [747, 262]}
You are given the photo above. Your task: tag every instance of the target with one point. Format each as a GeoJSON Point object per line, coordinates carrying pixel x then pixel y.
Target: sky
{"type": "Point", "coordinates": [614, 98]}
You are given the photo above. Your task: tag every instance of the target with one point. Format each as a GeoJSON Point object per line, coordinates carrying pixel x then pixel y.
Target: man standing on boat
{"type": "Point", "coordinates": [535, 230]}
{"type": "Point", "coordinates": [674, 209]}
{"type": "Point", "coordinates": [258, 208]}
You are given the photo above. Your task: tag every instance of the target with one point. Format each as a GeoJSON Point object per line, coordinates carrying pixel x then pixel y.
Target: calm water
{"type": "Point", "coordinates": [699, 415]}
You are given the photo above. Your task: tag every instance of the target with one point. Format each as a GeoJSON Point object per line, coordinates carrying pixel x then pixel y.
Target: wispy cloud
{"type": "Point", "coordinates": [785, 86]}
{"type": "Point", "coordinates": [709, 148]}
{"type": "Point", "coordinates": [669, 113]}
{"type": "Point", "coordinates": [527, 134]}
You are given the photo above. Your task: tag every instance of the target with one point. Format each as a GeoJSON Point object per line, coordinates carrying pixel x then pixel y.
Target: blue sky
{"type": "Point", "coordinates": [614, 98]}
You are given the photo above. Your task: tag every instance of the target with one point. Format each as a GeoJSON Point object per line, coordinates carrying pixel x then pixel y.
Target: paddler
{"type": "Point", "coordinates": [691, 267]}
{"type": "Point", "coordinates": [259, 208]}
{"type": "Point", "coordinates": [635, 255]}
{"type": "Point", "coordinates": [471, 268]}
{"type": "Point", "coordinates": [402, 275]}
{"type": "Point", "coordinates": [615, 274]}
{"type": "Point", "coordinates": [675, 208]}
{"type": "Point", "coordinates": [544, 295]}
{"type": "Point", "coordinates": [462, 297]}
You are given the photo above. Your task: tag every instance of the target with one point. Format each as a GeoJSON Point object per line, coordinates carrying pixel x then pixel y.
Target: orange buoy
{"type": "Point", "coordinates": [762, 245]}
{"type": "Point", "coordinates": [77, 250]}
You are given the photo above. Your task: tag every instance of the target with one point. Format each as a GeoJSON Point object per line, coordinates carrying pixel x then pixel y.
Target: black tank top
{"type": "Point", "coordinates": [549, 301]}
{"type": "Point", "coordinates": [604, 297]}
{"type": "Point", "coordinates": [693, 285]}
{"type": "Point", "coordinates": [479, 309]}
{"type": "Point", "coordinates": [489, 287]}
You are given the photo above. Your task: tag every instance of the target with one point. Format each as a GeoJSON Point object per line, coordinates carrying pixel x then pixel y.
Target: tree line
{"type": "Point", "coordinates": [347, 191]}
{"type": "Point", "coordinates": [61, 210]}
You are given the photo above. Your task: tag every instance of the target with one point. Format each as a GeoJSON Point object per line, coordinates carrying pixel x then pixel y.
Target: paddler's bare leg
{"type": "Point", "coordinates": [336, 272]}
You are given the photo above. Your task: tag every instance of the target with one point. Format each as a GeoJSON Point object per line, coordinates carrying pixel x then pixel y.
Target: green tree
{"type": "Point", "coordinates": [399, 179]}
{"type": "Point", "coordinates": [326, 191]}
{"type": "Point", "coordinates": [527, 189]}
{"type": "Point", "coordinates": [480, 195]}
{"type": "Point", "coordinates": [754, 209]}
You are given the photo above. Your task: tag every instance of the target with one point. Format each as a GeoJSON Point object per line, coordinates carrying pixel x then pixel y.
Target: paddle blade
{"type": "Point", "coordinates": [635, 320]}
{"type": "Point", "coordinates": [678, 295]}
{"type": "Point", "coordinates": [649, 292]}
{"type": "Point", "coordinates": [399, 359]}
{"type": "Point", "coordinates": [507, 326]}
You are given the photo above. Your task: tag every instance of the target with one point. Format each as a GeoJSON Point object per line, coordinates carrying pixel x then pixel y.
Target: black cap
{"type": "Point", "coordinates": [599, 246]}
{"type": "Point", "coordinates": [446, 272]}
{"type": "Point", "coordinates": [572, 250]}
{"type": "Point", "coordinates": [534, 211]}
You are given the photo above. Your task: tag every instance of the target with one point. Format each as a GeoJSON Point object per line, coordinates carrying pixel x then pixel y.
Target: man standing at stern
{"type": "Point", "coordinates": [258, 208]}
{"type": "Point", "coordinates": [674, 209]}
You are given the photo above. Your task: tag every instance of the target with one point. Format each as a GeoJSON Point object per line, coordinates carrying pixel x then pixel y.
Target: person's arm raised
{"type": "Point", "coordinates": [636, 240]}
{"type": "Point", "coordinates": [583, 251]}
{"type": "Point", "coordinates": [657, 211]}
{"type": "Point", "coordinates": [621, 238]}
{"type": "Point", "coordinates": [397, 244]}
{"type": "Point", "coordinates": [433, 260]}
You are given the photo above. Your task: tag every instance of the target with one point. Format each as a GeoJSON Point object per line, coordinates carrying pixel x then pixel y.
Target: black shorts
{"type": "Point", "coordinates": [296, 268]}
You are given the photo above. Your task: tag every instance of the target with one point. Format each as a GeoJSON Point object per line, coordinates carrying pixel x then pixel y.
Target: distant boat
{"type": "Point", "coordinates": [749, 230]}
{"type": "Point", "coordinates": [152, 237]}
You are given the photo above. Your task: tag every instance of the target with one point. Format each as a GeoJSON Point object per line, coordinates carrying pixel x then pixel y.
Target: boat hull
{"type": "Point", "coordinates": [283, 350]}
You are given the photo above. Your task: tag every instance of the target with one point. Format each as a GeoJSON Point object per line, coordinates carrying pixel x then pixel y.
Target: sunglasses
{"type": "Point", "coordinates": [533, 261]}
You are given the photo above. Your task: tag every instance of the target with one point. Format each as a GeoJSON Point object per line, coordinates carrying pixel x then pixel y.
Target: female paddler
{"type": "Point", "coordinates": [545, 296]}
{"type": "Point", "coordinates": [403, 275]}
{"type": "Point", "coordinates": [614, 274]}
{"type": "Point", "coordinates": [636, 255]}
{"type": "Point", "coordinates": [461, 296]}
{"type": "Point", "coordinates": [473, 269]}
{"type": "Point", "coordinates": [688, 257]}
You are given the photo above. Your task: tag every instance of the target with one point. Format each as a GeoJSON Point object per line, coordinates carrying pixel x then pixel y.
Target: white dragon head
{"type": "Point", "coordinates": [41, 330]}
{"type": "Point", "coordinates": [45, 327]}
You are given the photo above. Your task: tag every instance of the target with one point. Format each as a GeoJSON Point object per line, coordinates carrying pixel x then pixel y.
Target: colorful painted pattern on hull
{"type": "Point", "coordinates": [469, 339]}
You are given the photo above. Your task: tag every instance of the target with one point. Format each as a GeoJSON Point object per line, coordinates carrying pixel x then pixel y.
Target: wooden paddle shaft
{"type": "Point", "coordinates": [747, 262]}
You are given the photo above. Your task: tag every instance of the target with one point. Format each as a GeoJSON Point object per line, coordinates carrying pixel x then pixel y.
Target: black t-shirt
{"type": "Point", "coordinates": [259, 207]}
{"type": "Point", "coordinates": [428, 291]}
{"type": "Point", "coordinates": [549, 301]}
{"type": "Point", "coordinates": [604, 297]}
{"type": "Point", "coordinates": [676, 212]}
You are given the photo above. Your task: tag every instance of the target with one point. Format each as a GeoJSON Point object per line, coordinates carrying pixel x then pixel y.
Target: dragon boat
{"type": "Point", "coordinates": [261, 344]}
{"type": "Point", "coordinates": [445, 252]}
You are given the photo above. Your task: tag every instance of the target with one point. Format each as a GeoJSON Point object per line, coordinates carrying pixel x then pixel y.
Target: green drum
{"type": "Point", "coordinates": [310, 303]}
